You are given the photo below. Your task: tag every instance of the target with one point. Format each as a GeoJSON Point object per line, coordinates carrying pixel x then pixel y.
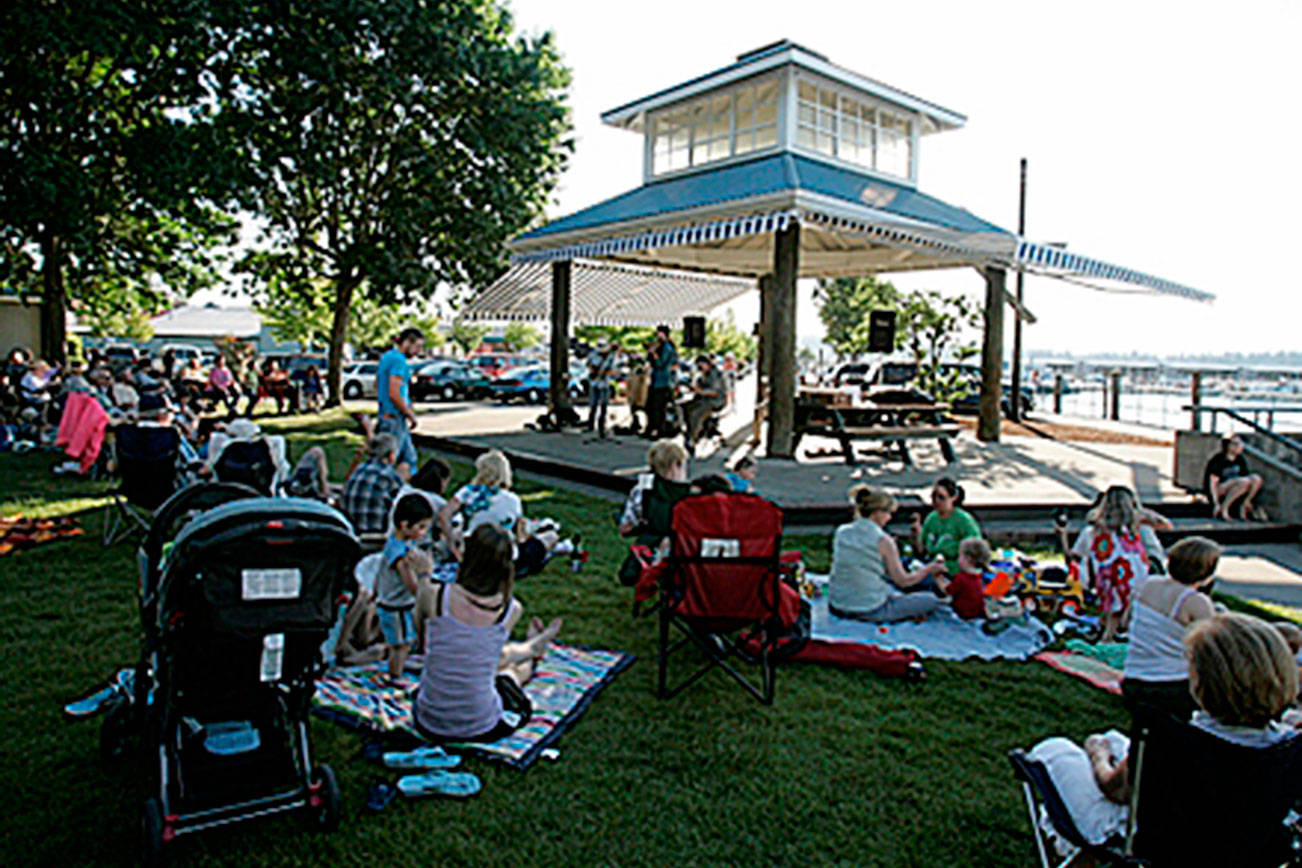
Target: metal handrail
{"type": "Point", "coordinates": [1288, 442]}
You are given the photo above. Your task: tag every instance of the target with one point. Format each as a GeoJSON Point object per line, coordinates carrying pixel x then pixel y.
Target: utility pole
{"type": "Point", "coordinates": [1015, 395]}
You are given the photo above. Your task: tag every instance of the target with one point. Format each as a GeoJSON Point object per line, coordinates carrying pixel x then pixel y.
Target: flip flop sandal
{"type": "Point", "coordinates": [380, 796]}
{"type": "Point", "coordinates": [422, 758]}
{"type": "Point", "coordinates": [121, 684]}
{"type": "Point", "coordinates": [455, 785]}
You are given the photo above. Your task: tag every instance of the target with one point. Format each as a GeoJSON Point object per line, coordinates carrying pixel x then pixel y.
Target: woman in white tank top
{"type": "Point", "coordinates": [1157, 671]}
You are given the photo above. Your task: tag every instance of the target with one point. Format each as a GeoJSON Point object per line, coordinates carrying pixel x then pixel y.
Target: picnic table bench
{"type": "Point", "coordinates": [894, 425]}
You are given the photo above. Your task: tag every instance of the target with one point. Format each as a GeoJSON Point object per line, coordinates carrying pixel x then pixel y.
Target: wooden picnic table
{"type": "Point", "coordinates": [891, 424]}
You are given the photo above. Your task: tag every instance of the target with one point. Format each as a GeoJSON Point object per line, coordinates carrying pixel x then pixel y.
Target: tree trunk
{"type": "Point", "coordinates": [54, 302]}
{"type": "Point", "coordinates": [345, 286]}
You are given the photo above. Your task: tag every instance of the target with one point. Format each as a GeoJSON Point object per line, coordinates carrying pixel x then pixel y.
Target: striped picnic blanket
{"type": "Point", "coordinates": [567, 680]}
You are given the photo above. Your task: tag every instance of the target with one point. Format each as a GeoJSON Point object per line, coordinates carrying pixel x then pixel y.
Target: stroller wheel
{"type": "Point", "coordinates": [114, 730]}
{"type": "Point", "coordinates": [151, 834]}
{"type": "Point", "coordinates": [324, 798]}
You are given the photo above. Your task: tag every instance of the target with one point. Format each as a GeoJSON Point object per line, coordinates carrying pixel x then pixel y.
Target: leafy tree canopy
{"type": "Point", "coordinates": [105, 176]}
{"type": "Point", "coordinates": [393, 145]}
{"type": "Point", "coordinates": [467, 336]}
{"type": "Point", "coordinates": [521, 336]}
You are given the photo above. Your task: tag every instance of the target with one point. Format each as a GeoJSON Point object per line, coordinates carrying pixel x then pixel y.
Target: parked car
{"type": "Point", "coordinates": [444, 380]}
{"type": "Point", "coordinates": [121, 355]}
{"type": "Point", "coordinates": [494, 365]}
{"type": "Point", "coordinates": [359, 380]}
{"type": "Point", "coordinates": [850, 375]}
{"type": "Point", "coordinates": [971, 402]}
{"type": "Point", "coordinates": [529, 383]}
{"type": "Point", "coordinates": [182, 353]}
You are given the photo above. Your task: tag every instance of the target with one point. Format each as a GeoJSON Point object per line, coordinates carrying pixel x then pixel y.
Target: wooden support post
{"type": "Point", "coordinates": [1057, 394]}
{"type": "Point", "coordinates": [558, 391]}
{"type": "Point", "coordinates": [1105, 397]}
{"type": "Point", "coordinates": [782, 342]}
{"type": "Point", "coordinates": [1196, 398]}
{"type": "Point", "coordinates": [992, 357]}
{"type": "Point", "coordinates": [1115, 412]}
{"type": "Point", "coordinates": [762, 356]}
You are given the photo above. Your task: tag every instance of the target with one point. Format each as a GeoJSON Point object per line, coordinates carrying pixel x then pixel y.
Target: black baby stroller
{"type": "Point", "coordinates": [235, 611]}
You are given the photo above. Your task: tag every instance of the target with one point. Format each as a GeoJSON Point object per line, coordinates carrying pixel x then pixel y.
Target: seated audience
{"type": "Point", "coordinates": [967, 590]}
{"type": "Point", "coordinates": [648, 507]}
{"type": "Point", "coordinates": [248, 431]}
{"type": "Point", "coordinates": [488, 499]}
{"type": "Point", "coordinates": [743, 473]}
{"type": "Point", "coordinates": [1227, 481]}
{"type": "Point", "coordinates": [1242, 678]}
{"type": "Point", "coordinates": [868, 582]}
{"type": "Point", "coordinates": [947, 525]}
{"type": "Point", "coordinates": [1157, 673]}
{"type": "Point", "coordinates": [372, 486]}
{"type": "Point", "coordinates": [472, 675]}
{"type": "Point", "coordinates": [123, 392]}
{"type": "Point", "coordinates": [221, 385]}
{"type": "Point", "coordinates": [429, 482]}
{"type": "Point", "coordinates": [1114, 557]}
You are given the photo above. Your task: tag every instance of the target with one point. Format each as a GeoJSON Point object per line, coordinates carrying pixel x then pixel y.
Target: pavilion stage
{"type": "Point", "coordinates": [1017, 472]}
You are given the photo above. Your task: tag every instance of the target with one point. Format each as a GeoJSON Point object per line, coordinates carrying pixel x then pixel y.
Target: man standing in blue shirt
{"type": "Point", "coordinates": [392, 380]}
{"type": "Point", "coordinates": [663, 358]}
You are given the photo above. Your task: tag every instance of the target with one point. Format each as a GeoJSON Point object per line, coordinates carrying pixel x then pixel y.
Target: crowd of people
{"type": "Point", "coordinates": [33, 392]}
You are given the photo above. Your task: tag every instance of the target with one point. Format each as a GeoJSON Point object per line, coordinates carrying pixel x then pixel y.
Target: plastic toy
{"type": "Point", "coordinates": [1051, 588]}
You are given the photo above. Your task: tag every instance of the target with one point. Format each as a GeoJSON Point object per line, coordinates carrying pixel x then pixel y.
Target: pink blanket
{"type": "Point", "coordinates": [81, 430]}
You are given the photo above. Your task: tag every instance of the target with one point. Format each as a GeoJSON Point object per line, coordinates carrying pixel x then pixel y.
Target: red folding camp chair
{"type": "Point", "coordinates": [722, 578]}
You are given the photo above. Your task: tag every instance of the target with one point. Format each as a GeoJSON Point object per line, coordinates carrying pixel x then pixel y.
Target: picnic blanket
{"type": "Point", "coordinates": [17, 533]}
{"type": "Point", "coordinates": [1089, 669]}
{"type": "Point", "coordinates": [567, 680]}
{"type": "Point", "coordinates": [943, 636]}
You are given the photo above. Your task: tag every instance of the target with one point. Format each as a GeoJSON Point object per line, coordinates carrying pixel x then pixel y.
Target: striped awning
{"type": "Point", "coordinates": [1056, 262]}
{"type": "Point", "coordinates": [674, 236]}
{"type": "Point", "coordinates": [604, 293]}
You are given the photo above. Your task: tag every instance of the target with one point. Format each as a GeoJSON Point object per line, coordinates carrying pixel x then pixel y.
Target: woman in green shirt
{"type": "Point", "coordinates": [947, 525]}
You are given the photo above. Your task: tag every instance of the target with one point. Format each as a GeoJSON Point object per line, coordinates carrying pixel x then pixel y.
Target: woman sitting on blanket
{"type": "Point", "coordinates": [472, 676]}
{"type": "Point", "coordinates": [488, 499]}
{"type": "Point", "coordinates": [868, 582]}
{"type": "Point", "coordinates": [1157, 672]}
{"type": "Point", "coordinates": [1243, 678]}
{"type": "Point", "coordinates": [947, 525]}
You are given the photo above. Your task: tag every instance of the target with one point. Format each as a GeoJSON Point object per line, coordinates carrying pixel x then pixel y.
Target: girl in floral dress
{"type": "Point", "coordinates": [1114, 556]}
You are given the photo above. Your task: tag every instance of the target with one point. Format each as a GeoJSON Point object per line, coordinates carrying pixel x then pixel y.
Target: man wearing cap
{"type": "Point", "coordinates": [392, 382]}
{"type": "Point", "coordinates": [707, 397]}
{"type": "Point", "coordinates": [600, 362]}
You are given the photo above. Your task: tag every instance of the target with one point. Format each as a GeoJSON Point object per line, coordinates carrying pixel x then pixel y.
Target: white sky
{"type": "Point", "coordinates": [1159, 134]}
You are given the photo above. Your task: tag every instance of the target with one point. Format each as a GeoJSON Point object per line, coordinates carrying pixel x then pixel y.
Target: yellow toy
{"type": "Point", "coordinates": [1051, 588]}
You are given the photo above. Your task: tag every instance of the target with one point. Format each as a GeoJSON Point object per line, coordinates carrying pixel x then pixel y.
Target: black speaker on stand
{"type": "Point", "coordinates": [881, 331]}
{"type": "Point", "coordinates": [694, 332]}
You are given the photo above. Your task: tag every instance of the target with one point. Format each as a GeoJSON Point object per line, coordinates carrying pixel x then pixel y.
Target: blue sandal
{"type": "Point", "coordinates": [380, 796]}
{"type": "Point", "coordinates": [456, 785]}
{"type": "Point", "coordinates": [422, 758]}
{"type": "Point", "coordinates": [122, 684]}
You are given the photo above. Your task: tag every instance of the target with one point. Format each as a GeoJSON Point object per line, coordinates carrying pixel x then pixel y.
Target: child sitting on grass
{"type": "Point", "coordinates": [472, 676]}
{"type": "Point", "coordinates": [742, 476]}
{"type": "Point", "coordinates": [405, 566]}
{"type": "Point", "coordinates": [966, 590]}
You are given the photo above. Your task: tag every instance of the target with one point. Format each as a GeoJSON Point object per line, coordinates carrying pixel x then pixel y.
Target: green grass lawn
{"type": "Point", "coordinates": [844, 768]}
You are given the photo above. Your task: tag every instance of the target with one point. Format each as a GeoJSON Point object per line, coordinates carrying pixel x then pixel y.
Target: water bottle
{"type": "Point", "coordinates": [576, 554]}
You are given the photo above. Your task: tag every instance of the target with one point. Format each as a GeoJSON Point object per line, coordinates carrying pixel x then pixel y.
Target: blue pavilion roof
{"type": "Point", "coordinates": [773, 175]}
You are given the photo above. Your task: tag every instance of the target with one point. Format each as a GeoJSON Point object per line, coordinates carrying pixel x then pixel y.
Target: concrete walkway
{"type": "Point", "coordinates": [1269, 572]}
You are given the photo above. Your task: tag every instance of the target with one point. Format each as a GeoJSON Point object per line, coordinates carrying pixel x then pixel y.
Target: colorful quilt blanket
{"type": "Point", "coordinates": [567, 680]}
